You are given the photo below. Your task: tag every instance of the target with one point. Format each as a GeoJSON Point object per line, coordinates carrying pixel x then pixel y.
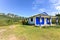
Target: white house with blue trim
{"type": "Point", "coordinates": [42, 19]}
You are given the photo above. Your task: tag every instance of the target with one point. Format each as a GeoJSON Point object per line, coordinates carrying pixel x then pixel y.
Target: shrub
{"type": "Point", "coordinates": [9, 22]}
{"type": "Point", "coordinates": [24, 22]}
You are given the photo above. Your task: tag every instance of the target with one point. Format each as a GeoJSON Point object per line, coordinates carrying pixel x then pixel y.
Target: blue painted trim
{"type": "Point", "coordinates": [47, 20]}
{"type": "Point", "coordinates": [42, 19]}
{"type": "Point", "coordinates": [38, 22]}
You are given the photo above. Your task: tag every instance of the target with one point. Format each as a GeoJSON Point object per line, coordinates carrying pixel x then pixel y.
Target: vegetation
{"type": "Point", "coordinates": [53, 20]}
{"type": "Point", "coordinates": [26, 32]}
{"type": "Point", "coordinates": [58, 17]}
{"type": "Point", "coordinates": [24, 22]}
{"type": "Point", "coordinates": [8, 19]}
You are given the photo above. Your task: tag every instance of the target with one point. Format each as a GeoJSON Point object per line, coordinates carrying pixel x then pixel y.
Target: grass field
{"type": "Point", "coordinates": [26, 32]}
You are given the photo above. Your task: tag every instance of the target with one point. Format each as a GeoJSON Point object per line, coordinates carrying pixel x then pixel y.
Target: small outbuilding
{"type": "Point", "coordinates": [42, 19]}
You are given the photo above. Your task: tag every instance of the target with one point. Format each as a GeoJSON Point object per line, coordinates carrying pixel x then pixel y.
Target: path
{"type": "Point", "coordinates": [10, 36]}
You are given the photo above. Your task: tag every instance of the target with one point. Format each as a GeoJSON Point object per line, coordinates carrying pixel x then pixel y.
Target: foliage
{"type": "Point", "coordinates": [53, 20]}
{"type": "Point", "coordinates": [24, 22]}
{"type": "Point", "coordinates": [58, 15]}
{"type": "Point", "coordinates": [8, 19]}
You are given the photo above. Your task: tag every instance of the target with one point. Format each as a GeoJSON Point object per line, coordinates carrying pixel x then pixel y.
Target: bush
{"type": "Point", "coordinates": [3, 23]}
{"type": "Point", "coordinates": [9, 22]}
{"type": "Point", "coordinates": [24, 22]}
{"type": "Point", "coordinates": [53, 21]}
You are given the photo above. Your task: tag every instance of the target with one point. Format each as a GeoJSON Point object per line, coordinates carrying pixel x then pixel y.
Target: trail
{"type": "Point", "coordinates": [10, 36]}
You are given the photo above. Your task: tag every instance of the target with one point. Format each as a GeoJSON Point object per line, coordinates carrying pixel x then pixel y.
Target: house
{"type": "Point", "coordinates": [42, 19]}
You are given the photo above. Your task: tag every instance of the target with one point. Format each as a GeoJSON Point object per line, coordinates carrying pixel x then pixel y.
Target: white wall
{"type": "Point", "coordinates": [34, 21]}
{"type": "Point", "coordinates": [31, 22]}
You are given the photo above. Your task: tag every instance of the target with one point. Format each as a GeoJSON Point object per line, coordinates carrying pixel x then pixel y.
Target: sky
{"type": "Point", "coordinates": [28, 8]}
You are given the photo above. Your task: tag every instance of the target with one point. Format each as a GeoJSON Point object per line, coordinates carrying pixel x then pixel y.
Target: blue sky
{"type": "Point", "coordinates": [29, 7]}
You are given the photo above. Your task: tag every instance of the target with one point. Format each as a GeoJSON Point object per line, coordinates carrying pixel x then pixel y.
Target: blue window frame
{"type": "Point", "coordinates": [48, 20]}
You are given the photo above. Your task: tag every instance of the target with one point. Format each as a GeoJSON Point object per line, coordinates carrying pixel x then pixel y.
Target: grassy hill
{"type": "Point", "coordinates": [9, 19]}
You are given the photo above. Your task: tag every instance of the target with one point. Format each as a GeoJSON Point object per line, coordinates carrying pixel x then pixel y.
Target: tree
{"type": "Point", "coordinates": [58, 15]}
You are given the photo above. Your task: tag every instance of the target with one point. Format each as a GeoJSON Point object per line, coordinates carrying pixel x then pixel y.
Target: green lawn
{"type": "Point", "coordinates": [26, 32]}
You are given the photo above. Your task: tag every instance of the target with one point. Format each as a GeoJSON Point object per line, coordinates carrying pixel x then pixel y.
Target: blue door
{"type": "Point", "coordinates": [42, 21]}
{"type": "Point", "coordinates": [37, 20]}
{"type": "Point", "coordinates": [47, 20]}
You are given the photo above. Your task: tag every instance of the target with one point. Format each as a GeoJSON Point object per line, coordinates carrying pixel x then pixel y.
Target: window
{"type": "Point", "coordinates": [31, 19]}
{"type": "Point", "coordinates": [48, 19]}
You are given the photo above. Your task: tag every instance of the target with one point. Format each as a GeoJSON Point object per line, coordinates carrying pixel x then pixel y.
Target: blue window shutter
{"type": "Point", "coordinates": [42, 20]}
{"type": "Point", "coordinates": [37, 20]}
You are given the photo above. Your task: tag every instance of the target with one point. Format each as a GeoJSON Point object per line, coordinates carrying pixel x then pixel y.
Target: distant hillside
{"type": "Point", "coordinates": [9, 18]}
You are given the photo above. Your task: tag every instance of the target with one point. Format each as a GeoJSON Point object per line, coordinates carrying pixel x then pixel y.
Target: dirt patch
{"type": "Point", "coordinates": [12, 27]}
{"type": "Point", "coordinates": [2, 30]}
{"type": "Point", "coordinates": [1, 33]}
{"type": "Point", "coordinates": [12, 37]}
{"type": "Point", "coordinates": [22, 38]}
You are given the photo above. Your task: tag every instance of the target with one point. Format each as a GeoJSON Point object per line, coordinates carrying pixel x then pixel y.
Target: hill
{"type": "Point", "coordinates": [6, 19]}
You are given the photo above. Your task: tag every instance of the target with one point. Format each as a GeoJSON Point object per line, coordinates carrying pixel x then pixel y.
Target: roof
{"type": "Point", "coordinates": [44, 14]}
{"type": "Point", "coordinates": [41, 14]}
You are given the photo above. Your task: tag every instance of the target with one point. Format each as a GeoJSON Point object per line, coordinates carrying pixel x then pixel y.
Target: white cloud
{"type": "Point", "coordinates": [36, 3]}
{"type": "Point", "coordinates": [58, 8]}
{"type": "Point", "coordinates": [49, 13]}
{"type": "Point", "coordinates": [42, 10]}
{"type": "Point", "coordinates": [34, 6]}
{"type": "Point", "coordinates": [53, 1]}
{"type": "Point", "coordinates": [52, 13]}
{"type": "Point", "coordinates": [55, 4]}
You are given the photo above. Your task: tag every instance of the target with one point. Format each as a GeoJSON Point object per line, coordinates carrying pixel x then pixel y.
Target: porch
{"type": "Point", "coordinates": [46, 21]}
